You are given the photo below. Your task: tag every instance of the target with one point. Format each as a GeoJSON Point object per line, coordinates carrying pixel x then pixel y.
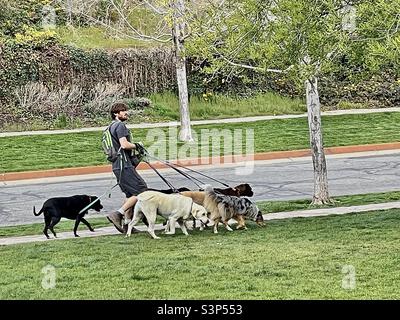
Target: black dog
{"type": "Point", "coordinates": [67, 207]}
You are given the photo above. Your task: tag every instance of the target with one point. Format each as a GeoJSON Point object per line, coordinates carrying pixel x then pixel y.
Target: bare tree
{"type": "Point", "coordinates": [169, 25]}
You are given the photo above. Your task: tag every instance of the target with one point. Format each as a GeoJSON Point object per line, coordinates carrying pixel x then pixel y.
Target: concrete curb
{"type": "Point", "coordinates": [106, 231]}
{"type": "Point", "coordinates": [13, 176]}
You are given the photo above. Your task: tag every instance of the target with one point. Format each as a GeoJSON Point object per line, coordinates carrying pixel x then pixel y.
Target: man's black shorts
{"type": "Point", "coordinates": [131, 183]}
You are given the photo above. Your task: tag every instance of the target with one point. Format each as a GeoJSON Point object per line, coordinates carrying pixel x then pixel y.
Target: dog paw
{"type": "Point", "coordinates": [241, 228]}
{"type": "Point", "coordinates": [169, 232]}
{"type": "Point", "coordinates": [76, 236]}
{"type": "Point", "coordinates": [157, 238]}
{"type": "Point", "coordinates": [92, 230]}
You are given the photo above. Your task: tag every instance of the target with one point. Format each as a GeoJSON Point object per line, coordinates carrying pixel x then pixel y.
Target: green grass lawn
{"type": "Point", "coordinates": [300, 258]}
{"type": "Point", "coordinates": [166, 106]}
{"type": "Point", "coordinates": [265, 207]}
{"type": "Point", "coordinates": [84, 149]}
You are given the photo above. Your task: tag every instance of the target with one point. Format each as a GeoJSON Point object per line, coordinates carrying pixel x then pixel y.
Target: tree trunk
{"type": "Point", "coordinates": [185, 133]}
{"type": "Point", "coordinates": [321, 194]}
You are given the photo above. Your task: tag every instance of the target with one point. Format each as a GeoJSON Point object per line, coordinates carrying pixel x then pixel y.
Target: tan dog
{"type": "Point", "coordinates": [199, 197]}
{"type": "Point", "coordinates": [241, 190]}
{"type": "Point", "coordinates": [174, 207]}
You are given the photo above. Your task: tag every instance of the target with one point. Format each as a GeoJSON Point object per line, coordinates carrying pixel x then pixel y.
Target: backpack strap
{"type": "Point", "coordinates": [112, 131]}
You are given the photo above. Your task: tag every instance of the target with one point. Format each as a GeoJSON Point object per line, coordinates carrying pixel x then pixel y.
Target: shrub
{"type": "Point", "coordinates": [102, 96]}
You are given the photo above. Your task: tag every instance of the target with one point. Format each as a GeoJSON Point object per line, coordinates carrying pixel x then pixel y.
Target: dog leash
{"type": "Point", "coordinates": [185, 174]}
{"type": "Point", "coordinates": [108, 191]}
{"type": "Point", "coordinates": [97, 199]}
{"type": "Point", "coordinates": [162, 178]}
{"type": "Point", "coordinates": [202, 174]}
{"type": "Point", "coordinates": [179, 171]}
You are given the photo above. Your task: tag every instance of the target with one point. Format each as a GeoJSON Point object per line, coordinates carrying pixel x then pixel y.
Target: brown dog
{"type": "Point", "coordinates": [241, 190]}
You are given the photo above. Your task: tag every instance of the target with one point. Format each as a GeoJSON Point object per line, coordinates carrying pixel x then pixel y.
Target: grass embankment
{"type": "Point", "coordinates": [27, 153]}
{"type": "Point", "coordinates": [288, 259]}
{"type": "Point", "coordinates": [166, 106]}
{"type": "Point", "coordinates": [265, 207]}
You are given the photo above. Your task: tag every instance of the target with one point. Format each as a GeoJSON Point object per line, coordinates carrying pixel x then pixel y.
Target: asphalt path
{"type": "Point", "coordinates": [286, 179]}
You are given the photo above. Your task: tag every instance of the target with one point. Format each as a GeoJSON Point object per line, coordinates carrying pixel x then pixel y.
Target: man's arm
{"type": "Point", "coordinates": [125, 144]}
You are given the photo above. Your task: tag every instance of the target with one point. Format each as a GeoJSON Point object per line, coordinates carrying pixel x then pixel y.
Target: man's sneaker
{"type": "Point", "coordinates": [116, 219]}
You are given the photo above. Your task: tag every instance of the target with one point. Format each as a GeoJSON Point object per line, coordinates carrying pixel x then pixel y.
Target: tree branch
{"type": "Point", "coordinates": [136, 34]}
{"type": "Point", "coordinates": [255, 68]}
{"type": "Point", "coordinates": [154, 8]}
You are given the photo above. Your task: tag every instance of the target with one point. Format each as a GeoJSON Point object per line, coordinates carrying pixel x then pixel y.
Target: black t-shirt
{"type": "Point", "coordinates": [118, 130]}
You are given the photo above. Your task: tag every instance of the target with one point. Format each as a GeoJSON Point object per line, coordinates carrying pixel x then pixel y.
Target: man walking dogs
{"type": "Point", "coordinates": [124, 167]}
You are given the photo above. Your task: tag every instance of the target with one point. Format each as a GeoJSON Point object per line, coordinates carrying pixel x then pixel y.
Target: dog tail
{"type": "Point", "coordinates": [34, 211]}
{"type": "Point", "coordinates": [209, 191]}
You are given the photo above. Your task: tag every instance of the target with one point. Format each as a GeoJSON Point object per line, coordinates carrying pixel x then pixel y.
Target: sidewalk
{"type": "Point", "coordinates": [105, 231]}
{"type": "Point", "coordinates": [202, 122]}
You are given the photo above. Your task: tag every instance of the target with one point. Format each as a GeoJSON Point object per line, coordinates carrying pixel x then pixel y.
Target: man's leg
{"type": "Point", "coordinates": [118, 218]}
{"type": "Point", "coordinates": [128, 213]}
{"type": "Point", "coordinates": [127, 209]}
{"type": "Point", "coordinates": [131, 184]}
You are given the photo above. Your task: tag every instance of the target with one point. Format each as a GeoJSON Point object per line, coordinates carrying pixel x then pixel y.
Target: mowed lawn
{"type": "Point", "coordinates": [300, 258]}
{"type": "Point", "coordinates": [84, 149]}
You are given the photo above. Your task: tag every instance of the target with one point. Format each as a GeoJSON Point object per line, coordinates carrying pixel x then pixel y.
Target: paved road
{"type": "Point", "coordinates": [271, 180]}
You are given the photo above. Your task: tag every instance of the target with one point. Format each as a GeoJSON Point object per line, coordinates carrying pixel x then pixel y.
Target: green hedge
{"type": "Point", "coordinates": [64, 72]}
{"type": "Point", "coordinates": [50, 79]}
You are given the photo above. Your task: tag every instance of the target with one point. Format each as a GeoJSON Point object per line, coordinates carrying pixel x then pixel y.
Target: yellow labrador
{"type": "Point", "coordinates": [174, 207]}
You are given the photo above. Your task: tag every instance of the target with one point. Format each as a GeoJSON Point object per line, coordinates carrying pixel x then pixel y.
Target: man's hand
{"type": "Point", "coordinates": [139, 147]}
